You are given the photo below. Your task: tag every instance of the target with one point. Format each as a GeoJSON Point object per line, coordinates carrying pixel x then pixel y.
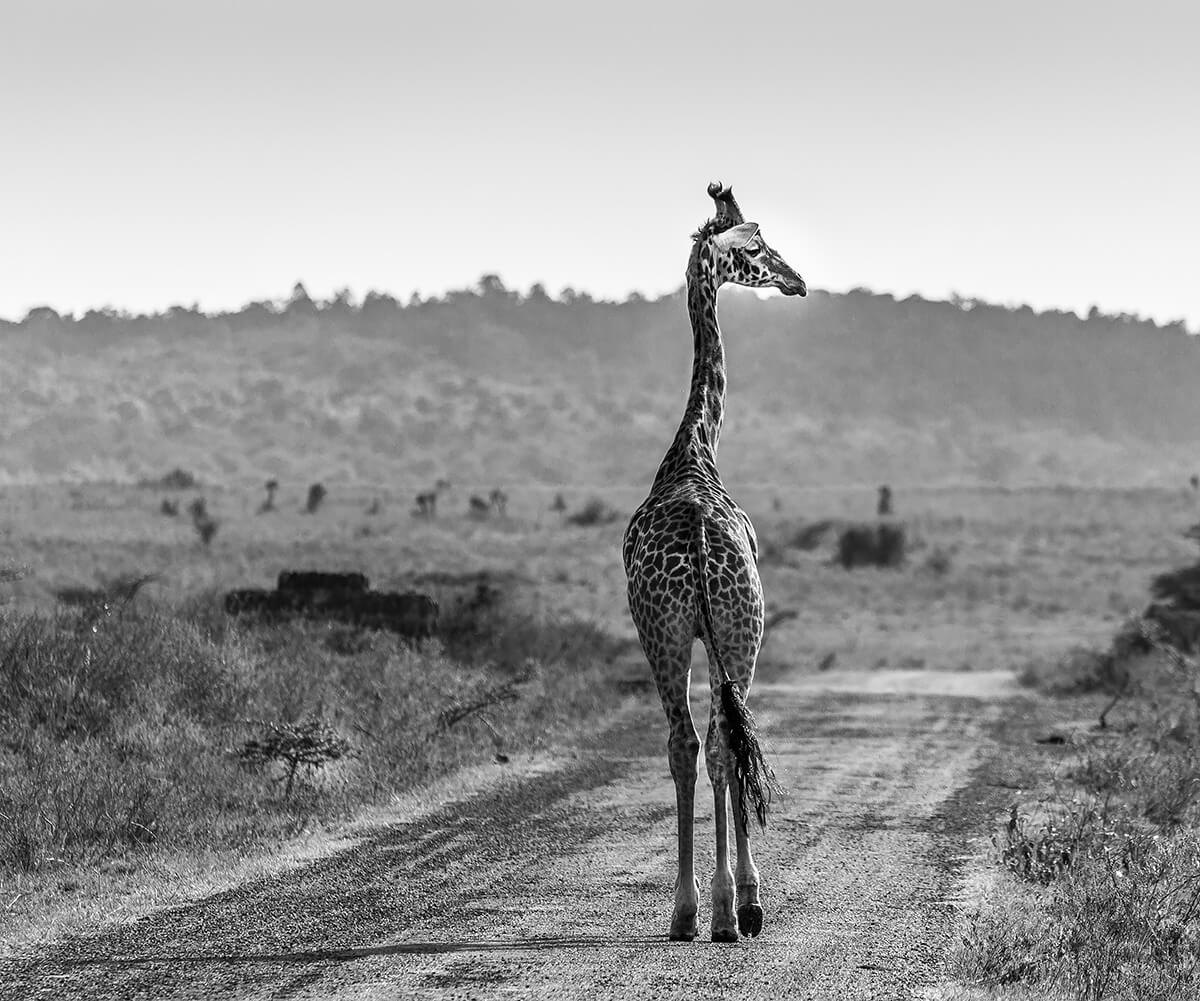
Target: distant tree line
{"type": "Point", "coordinates": [837, 356]}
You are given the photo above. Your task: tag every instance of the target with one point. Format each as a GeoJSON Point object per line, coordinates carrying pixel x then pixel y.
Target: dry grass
{"type": "Point", "coordinates": [1102, 891]}
{"type": "Point", "coordinates": [126, 733]}
{"type": "Point", "coordinates": [1122, 925]}
{"type": "Point", "coordinates": [994, 579]}
{"type": "Point", "coordinates": [123, 734]}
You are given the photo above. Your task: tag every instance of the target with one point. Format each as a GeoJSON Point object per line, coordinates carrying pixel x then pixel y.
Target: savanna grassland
{"type": "Point", "coordinates": [126, 774]}
{"type": "Point", "coordinates": [121, 774]}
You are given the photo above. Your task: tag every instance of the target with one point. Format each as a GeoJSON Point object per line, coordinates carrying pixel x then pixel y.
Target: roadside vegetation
{"type": "Point", "coordinates": [146, 729]}
{"type": "Point", "coordinates": [147, 762]}
{"type": "Point", "coordinates": [1099, 890]}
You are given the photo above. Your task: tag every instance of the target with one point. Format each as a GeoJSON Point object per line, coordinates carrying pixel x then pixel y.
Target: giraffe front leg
{"type": "Point", "coordinates": [683, 748]}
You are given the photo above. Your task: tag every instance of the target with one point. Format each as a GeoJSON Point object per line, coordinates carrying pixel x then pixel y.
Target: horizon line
{"type": "Point", "coordinates": [479, 288]}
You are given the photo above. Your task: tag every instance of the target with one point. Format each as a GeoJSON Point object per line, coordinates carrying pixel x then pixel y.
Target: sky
{"type": "Point", "coordinates": [159, 153]}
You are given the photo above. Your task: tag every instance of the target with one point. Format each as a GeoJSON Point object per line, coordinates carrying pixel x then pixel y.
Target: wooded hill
{"type": "Point", "coordinates": [490, 385]}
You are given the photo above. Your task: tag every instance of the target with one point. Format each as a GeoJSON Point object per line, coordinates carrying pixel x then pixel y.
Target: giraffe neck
{"type": "Point", "coordinates": [700, 428]}
{"type": "Point", "coordinates": [706, 400]}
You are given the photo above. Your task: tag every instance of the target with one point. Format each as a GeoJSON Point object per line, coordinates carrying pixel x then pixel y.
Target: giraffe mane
{"type": "Point", "coordinates": [711, 228]}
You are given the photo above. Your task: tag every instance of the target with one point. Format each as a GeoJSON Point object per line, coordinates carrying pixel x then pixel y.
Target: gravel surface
{"type": "Point", "coordinates": [559, 883]}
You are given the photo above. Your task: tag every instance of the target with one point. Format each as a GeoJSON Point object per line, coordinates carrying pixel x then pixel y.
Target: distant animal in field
{"type": "Point", "coordinates": [206, 531]}
{"type": "Point", "coordinates": [205, 525]}
{"type": "Point", "coordinates": [884, 506]}
{"type": "Point", "coordinates": [269, 504]}
{"type": "Point", "coordinates": [169, 508]}
{"type": "Point", "coordinates": [477, 507]}
{"type": "Point", "coordinates": [427, 501]}
{"type": "Point", "coordinates": [560, 504]}
{"type": "Point", "coordinates": [499, 501]}
{"type": "Point", "coordinates": [316, 497]}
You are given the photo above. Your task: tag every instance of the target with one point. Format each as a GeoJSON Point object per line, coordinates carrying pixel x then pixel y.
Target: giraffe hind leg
{"type": "Point", "coordinates": [724, 929]}
{"type": "Point", "coordinates": [683, 752]}
{"type": "Point", "coordinates": [683, 747]}
{"type": "Point", "coordinates": [749, 906]}
{"type": "Point", "coordinates": [722, 772]}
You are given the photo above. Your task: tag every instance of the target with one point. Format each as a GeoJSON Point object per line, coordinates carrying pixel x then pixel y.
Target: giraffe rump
{"type": "Point", "coordinates": [756, 782]}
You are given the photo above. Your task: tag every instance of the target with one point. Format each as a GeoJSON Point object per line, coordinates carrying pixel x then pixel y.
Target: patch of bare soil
{"type": "Point", "coordinates": [559, 884]}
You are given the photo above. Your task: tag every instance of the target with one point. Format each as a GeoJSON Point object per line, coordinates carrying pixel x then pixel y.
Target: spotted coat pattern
{"type": "Point", "coordinates": [689, 511]}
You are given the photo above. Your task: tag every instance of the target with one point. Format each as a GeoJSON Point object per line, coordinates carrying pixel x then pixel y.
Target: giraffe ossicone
{"type": "Point", "coordinates": [691, 559]}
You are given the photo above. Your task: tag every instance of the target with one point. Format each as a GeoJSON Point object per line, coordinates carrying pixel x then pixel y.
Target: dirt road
{"type": "Point", "coordinates": [557, 882]}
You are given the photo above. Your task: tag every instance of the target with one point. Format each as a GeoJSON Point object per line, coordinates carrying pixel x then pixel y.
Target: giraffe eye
{"type": "Point", "coordinates": [754, 249]}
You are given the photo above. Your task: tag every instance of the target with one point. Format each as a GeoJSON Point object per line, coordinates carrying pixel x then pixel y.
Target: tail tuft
{"type": "Point", "coordinates": [757, 784]}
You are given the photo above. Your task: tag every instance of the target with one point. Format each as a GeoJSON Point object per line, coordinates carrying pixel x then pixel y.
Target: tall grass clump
{"type": "Point", "coordinates": [594, 512]}
{"type": "Point", "coordinates": [107, 723]}
{"type": "Point", "coordinates": [142, 728]}
{"type": "Point", "coordinates": [1121, 920]}
{"type": "Point", "coordinates": [1099, 896]}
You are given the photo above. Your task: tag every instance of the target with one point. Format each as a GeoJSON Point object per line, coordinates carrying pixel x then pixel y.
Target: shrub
{"type": "Point", "coordinates": [176, 479]}
{"type": "Point", "coordinates": [315, 498]}
{"type": "Point", "coordinates": [75, 675]}
{"type": "Point", "coordinates": [311, 743]}
{"type": "Point", "coordinates": [124, 732]}
{"type": "Point", "coordinates": [808, 537]}
{"type": "Point", "coordinates": [1080, 671]}
{"type": "Point", "coordinates": [594, 512]}
{"type": "Point", "coordinates": [108, 720]}
{"type": "Point", "coordinates": [1127, 925]}
{"type": "Point", "coordinates": [1113, 902]}
{"type": "Point", "coordinates": [1042, 853]}
{"type": "Point", "coordinates": [881, 545]}
{"type": "Point", "coordinates": [1180, 588]}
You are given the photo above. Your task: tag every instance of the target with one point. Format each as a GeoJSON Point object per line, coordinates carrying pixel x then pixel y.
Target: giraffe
{"type": "Point", "coordinates": [691, 556]}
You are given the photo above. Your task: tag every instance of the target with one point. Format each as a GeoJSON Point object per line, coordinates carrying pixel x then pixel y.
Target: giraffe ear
{"type": "Point", "coordinates": [736, 237]}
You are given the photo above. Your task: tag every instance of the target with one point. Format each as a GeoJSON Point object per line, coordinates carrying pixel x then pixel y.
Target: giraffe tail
{"type": "Point", "coordinates": [756, 782]}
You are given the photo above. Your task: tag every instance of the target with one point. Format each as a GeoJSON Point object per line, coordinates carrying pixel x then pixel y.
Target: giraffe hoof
{"type": "Point", "coordinates": [682, 934]}
{"type": "Point", "coordinates": [750, 918]}
{"type": "Point", "coordinates": [725, 934]}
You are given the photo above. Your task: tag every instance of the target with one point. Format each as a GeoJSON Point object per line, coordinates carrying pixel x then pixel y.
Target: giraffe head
{"type": "Point", "coordinates": [739, 253]}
